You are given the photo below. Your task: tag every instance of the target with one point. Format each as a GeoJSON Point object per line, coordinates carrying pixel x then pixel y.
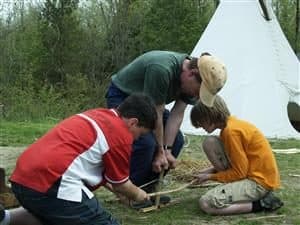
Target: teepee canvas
{"type": "Point", "coordinates": [263, 71]}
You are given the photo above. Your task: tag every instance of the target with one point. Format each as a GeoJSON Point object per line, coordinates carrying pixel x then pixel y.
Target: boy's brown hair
{"type": "Point", "coordinates": [215, 114]}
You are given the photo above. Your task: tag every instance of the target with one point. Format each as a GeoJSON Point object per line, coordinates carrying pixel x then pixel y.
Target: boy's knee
{"type": "Point", "coordinates": [204, 206]}
{"type": "Point", "coordinates": [215, 152]}
{"type": "Point", "coordinates": [211, 142]}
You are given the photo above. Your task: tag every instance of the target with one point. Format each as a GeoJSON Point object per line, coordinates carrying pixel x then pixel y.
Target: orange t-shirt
{"type": "Point", "coordinates": [250, 155]}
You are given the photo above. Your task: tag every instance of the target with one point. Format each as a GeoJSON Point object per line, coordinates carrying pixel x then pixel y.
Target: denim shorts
{"type": "Point", "coordinates": [53, 211]}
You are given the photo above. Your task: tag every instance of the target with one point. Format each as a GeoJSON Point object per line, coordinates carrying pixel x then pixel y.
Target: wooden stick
{"type": "Point", "coordinates": [151, 208]}
{"type": "Point", "coordinates": [189, 185]}
{"type": "Point", "coordinates": [204, 185]}
{"type": "Point", "coordinates": [150, 182]}
{"type": "Point", "coordinates": [266, 217]}
{"type": "Point", "coordinates": [158, 187]}
{"type": "Point", "coordinates": [173, 190]}
{"type": "Point", "coordinates": [148, 209]}
{"type": "Point", "coordinates": [287, 151]}
{"type": "Point", "coordinates": [294, 175]}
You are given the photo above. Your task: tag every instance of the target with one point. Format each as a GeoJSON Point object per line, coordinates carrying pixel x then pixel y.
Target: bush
{"type": "Point", "coordinates": [22, 101]}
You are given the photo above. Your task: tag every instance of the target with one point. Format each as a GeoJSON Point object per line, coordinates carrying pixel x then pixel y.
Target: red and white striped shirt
{"type": "Point", "coordinates": [83, 151]}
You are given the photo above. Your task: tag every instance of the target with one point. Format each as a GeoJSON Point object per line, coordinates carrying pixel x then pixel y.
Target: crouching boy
{"type": "Point", "coordinates": [55, 176]}
{"type": "Point", "coordinates": [242, 161]}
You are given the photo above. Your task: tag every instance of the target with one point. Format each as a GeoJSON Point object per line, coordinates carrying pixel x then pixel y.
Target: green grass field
{"type": "Point", "coordinates": [14, 136]}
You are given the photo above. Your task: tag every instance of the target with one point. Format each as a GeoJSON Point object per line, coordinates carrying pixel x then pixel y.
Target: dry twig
{"type": "Point", "coordinates": [266, 217]}
{"type": "Point", "coordinates": [212, 184]}
{"type": "Point", "coordinates": [173, 190]}
{"type": "Point", "coordinates": [294, 175]}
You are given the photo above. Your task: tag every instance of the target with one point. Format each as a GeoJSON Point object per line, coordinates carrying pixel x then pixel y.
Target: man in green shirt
{"type": "Point", "coordinates": [165, 76]}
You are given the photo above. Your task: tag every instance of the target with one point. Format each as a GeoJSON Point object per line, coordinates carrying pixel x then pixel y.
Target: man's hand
{"type": "Point", "coordinates": [160, 162]}
{"type": "Point", "coordinates": [171, 159]}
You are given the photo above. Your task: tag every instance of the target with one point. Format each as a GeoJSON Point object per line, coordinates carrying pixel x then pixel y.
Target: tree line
{"type": "Point", "coordinates": [57, 56]}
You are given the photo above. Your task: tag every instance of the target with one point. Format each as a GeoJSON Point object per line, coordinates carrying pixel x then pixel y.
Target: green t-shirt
{"type": "Point", "coordinates": [155, 73]}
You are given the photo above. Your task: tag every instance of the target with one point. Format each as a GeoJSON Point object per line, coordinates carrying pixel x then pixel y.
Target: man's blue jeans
{"type": "Point", "coordinates": [53, 211]}
{"type": "Point", "coordinates": [144, 148]}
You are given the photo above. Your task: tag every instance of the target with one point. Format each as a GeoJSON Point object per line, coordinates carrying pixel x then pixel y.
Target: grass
{"type": "Point", "coordinates": [186, 212]}
{"type": "Point", "coordinates": [22, 133]}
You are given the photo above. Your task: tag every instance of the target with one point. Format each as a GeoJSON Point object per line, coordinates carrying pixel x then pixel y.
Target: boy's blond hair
{"type": "Point", "coordinates": [215, 114]}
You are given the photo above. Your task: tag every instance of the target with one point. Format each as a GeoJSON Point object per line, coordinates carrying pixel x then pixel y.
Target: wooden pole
{"type": "Point", "coordinates": [264, 9]}
{"type": "Point", "coordinates": [158, 187]}
{"type": "Point", "coordinates": [297, 46]}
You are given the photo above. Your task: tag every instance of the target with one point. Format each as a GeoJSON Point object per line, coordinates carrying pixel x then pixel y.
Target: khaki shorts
{"type": "Point", "coordinates": [239, 191]}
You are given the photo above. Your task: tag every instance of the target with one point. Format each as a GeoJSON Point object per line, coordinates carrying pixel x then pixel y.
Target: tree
{"type": "Point", "coordinates": [60, 36]}
{"type": "Point", "coordinates": [175, 25]}
{"type": "Point", "coordinates": [287, 12]}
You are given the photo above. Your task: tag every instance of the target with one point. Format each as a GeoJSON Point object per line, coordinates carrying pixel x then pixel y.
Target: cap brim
{"type": "Point", "coordinates": [205, 96]}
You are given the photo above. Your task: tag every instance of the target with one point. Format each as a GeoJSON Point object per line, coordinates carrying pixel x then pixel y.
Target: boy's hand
{"type": "Point", "coordinates": [141, 196]}
{"type": "Point", "coordinates": [202, 177]}
{"type": "Point", "coordinates": [130, 191]}
{"type": "Point", "coordinates": [208, 170]}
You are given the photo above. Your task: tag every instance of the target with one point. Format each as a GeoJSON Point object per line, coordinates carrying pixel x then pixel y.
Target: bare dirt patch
{"type": "Point", "coordinates": [8, 158]}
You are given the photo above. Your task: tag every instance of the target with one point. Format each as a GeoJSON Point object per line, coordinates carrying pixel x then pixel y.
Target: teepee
{"type": "Point", "coordinates": [263, 83]}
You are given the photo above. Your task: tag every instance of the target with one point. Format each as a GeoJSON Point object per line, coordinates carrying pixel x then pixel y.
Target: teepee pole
{"type": "Point", "coordinates": [297, 46]}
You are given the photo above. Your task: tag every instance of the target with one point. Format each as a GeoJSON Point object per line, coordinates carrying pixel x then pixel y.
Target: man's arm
{"type": "Point", "coordinates": [160, 162]}
{"type": "Point", "coordinates": [164, 158]}
{"type": "Point", "coordinates": [172, 127]}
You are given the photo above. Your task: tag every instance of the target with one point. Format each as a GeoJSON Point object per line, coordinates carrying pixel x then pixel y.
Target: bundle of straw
{"type": "Point", "coordinates": [187, 168]}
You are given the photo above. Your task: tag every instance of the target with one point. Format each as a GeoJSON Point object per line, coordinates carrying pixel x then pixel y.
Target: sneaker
{"type": "Point", "coordinates": [164, 199]}
{"type": "Point", "coordinates": [270, 202]}
{"type": "Point", "coordinates": [2, 212]}
{"type": "Point", "coordinates": [141, 205]}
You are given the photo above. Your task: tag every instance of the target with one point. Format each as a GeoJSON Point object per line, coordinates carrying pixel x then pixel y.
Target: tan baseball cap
{"type": "Point", "coordinates": [214, 75]}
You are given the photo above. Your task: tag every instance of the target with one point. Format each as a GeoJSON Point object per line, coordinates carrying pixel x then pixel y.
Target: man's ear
{"type": "Point", "coordinates": [195, 72]}
{"type": "Point", "coordinates": [133, 122]}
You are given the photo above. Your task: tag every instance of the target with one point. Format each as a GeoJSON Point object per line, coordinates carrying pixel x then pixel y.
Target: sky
{"type": "Point", "coordinates": [6, 6]}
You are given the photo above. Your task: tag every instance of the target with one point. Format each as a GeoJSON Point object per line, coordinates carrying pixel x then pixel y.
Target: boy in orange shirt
{"type": "Point", "coordinates": [242, 161]}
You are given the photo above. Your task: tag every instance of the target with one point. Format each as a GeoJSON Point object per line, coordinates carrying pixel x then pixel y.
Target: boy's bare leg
{"type": "Point", "coordinates": [214, 150]}
{"type": "Point", "coordinates": [237, 208]}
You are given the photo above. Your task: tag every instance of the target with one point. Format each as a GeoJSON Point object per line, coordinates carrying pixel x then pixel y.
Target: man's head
{"type": "Point", "coordinates": [213, 75]}
{"type": "Point", "coordinates": [139, 113]}
{"type": "Point", "coordinates": [206, 117]}
{"type": "Point", "coordinates": [206, 76]}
